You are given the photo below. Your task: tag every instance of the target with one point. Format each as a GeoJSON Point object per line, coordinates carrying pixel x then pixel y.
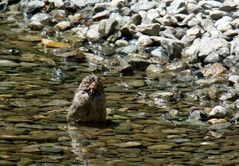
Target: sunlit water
{"type": "Point", "coordinates": [37, 88]}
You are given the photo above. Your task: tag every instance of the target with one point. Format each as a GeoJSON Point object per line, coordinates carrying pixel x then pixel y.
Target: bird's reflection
{"type": "Point", "coordinates": [85, 141]}
{"type": "Point", "coordinates": [78, 143]}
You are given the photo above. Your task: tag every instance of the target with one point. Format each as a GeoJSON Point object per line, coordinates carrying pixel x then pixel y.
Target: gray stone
{"type": "Point", "coordinates": [237, 103]}
{"type": "Point", "coordinates": [31, 5]}
{"type": "Point", "coordinates": [149, 29]}
{"type": "Point", "coordinates": [121, 43]}
{"type": "Point", "coordinates": [136, 19]}
{"type": "Point", "coordinates": [144, 40]}
{"type": "Point", "coordinates": [193, 22]}
{"type": "Point", "coordinates": [161, 98]}
{"type": "Point", "coordinates": [94, 59]}
{"type": "Point", "coordinates": [159, 147]}
{"type": "Point", "coordinates": [218, 112]}
{"type": "Point", "coordinates": [172, 47]}
{"type": "Point", "coordinates": [152, 14]}
{"type": "Point", "coordinates": [93, 33]}
{"type": "Point", "coordinates": [234, 78]}
{"type": "Point", "coordinates": [7, 63]}
{"type": "Point", "coordinates": [197, 115]}
{"type": "Point", "coordinates": [81, 32]}
{"type": "Point", "coordinates": [127, 49]}
{"type": "Point", "coordinates": [129, 28]}
{"type": "Point", "coordinates": [176, 66]}
{"type": "Point", "coordinates": [194, 31]}
{"type": "Point", "coordinates": [236, 86]}
{"type": "Point", "coordinates": [203, 47]}
{"type": "Point", "coordinates": [129, 144]}
{"type": "Point", "coordinates": [217, 14]}
{"type": "Point", "coordinates": [63, 25]}
{"type": "Point", "coordinates": [138, 63]}
{"type": "Point", "coordinates": [187, 19]}
{"type": "Point", "coordinates": [126, 69]}
{"type": "Point", "coordinates": [235, 46]}
{"type": "Point", "coordinates": [75, 18]}
{"type": "Point", "coordinates": [145, 19]}
{"type": "Point", "coordinates": [209, 4]}
{"type": "Point", "coordinates": [212, 58]}
{"type": "Point", "coordinates": [224, 24]}
{"type": "Point", "coordinates": [142, 6]}
{"type": "Point", "coordinates": [177, 6]}
{"type": "Point", "coordinates": [193, 8]}
{"type": "Point", "coordinates": [154, 70]}
{"type": "Point", "coordinates": [169, 20]}
{"type": "Point", "coordinates": [122, 20]}
{"type": "Point", "coordinates": [43, 18]}
{"type": "Point", "coordinates": [159, 52]}
{"type": "Point", "coordinates": [35, 25]}
{"type": "Point", "coordinates": [188, 40]}
{"type": "Point", "coordinates": [58, 15]}
{"type": "Point", "coordinates": [57, 3]}
{"type": "Point", "coordinates": [228, 6]}
{"type": "Point", "coordinates": [231, 94]}
{"type": "Point", "coordinates": [106, 27]}
{"type": "Point", "coordinates": [231, 33]}
{"type": "Point", "coordinates": [102, 15]}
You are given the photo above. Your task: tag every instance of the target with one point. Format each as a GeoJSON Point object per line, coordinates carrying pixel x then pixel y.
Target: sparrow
{"type": "Point", "coordinates": [88, 104]}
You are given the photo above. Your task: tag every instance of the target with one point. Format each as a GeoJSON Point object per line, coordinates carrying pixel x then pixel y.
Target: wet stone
{"type": "Point", "coordinates": [136, 83]}
{"type": "Point", "coordinates": [7, 63]}
{"type": "Point", "coordinates": [63, 25]}
{"type": "Point", "coordinates": [180, 140]}
{"type": "Point", "coordinates": [218, 111]}
{"type": "Point", "coordinates": [42, 92]}
{"type": "Point", "coordinates": [50, 150]}
{"type": "Point", "coordinates": [154, 71]}
{"type": "Point", "coordinates": [25, 161]}
{"type": "Point", "coordinates": [40, 135]}
{"type": "Point", "coordinates": [31, 149]}
{"type": "Point", "coordinates": [214, 70]}
{"type": "Point", "coordinates": [129, 144]}
{"type": "Point", "coordinates": [41, 17]}
{"type": "Point", "coordinates": [217, 121]}
{"type": "Point", "coordinates": [165, 96]}
{"type": "Point", "coordinates": [58, 102]}
{"type": "Point", "coordinates": [20, 103]}
{"type": "Point", "coordinates": [159, 147]}
{"type": "Point", "coordinates": [36, 25]}
{"type": "Point", "coordinates": [176, 66]}
{"type": "Point", "coordinates": [234, 78]}
{"type": "Point", "coordinates": [7, 163]}
{"type": "Point", "coordinates": [138, 63]}
{"type": "Point", "coordinates": [142, 6]}
{"type": "Point", "coordinates": [151, 29]}
{"type": "Point", "coordinates": [18, 119]}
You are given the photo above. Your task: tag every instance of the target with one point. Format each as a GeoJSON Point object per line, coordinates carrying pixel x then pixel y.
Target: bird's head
{"type": "Point", "coordinates": [91, 84]}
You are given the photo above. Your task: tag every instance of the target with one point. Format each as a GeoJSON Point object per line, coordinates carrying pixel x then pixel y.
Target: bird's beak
{"type": "Point", "coordinates": [93, 87]}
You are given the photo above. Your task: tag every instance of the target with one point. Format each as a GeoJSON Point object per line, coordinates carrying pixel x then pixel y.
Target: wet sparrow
{"type": "Point", "coordinates": [88, 104]}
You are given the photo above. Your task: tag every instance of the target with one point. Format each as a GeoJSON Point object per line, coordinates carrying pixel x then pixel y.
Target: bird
{"type": "Point", "coordinates": [88, 104]}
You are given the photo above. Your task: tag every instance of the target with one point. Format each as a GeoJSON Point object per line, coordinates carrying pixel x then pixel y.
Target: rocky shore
{"type": "Point", "coordinates": [191, 40]}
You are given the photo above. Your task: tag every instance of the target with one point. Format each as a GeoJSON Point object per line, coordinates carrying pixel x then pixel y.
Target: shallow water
{"type": "Point", "coordinates": [36, 89]}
